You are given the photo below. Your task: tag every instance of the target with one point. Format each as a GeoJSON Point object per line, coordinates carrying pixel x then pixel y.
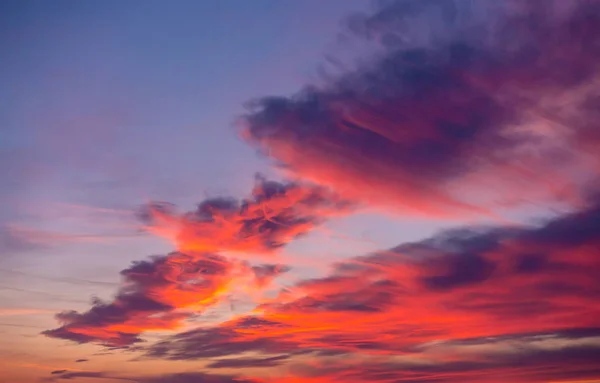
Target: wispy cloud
{"type": "Point", "coordinates": [21, 311]}
{"type": "Point", "coordinates": [67, 280]}
{"type": "Point", "coordinates": [13, 241]}
{"type": "Point", "coordinates": [190, 377]}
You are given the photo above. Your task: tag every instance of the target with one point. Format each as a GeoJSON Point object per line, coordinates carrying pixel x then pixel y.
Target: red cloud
{"type": "Point", "coordinates": [461, 124]}
{"type": "Point", "coordinates": [275, 214]}
{"type": "Point", "coordinates": [433, 301]}
{"type": "Point", "coordinates": [156, 295]}
{"type": "Point", "coordinates": [161, 293]}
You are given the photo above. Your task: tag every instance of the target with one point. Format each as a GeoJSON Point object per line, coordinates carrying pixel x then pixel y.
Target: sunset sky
{"type": "Point", "coordinates": [271, 191]}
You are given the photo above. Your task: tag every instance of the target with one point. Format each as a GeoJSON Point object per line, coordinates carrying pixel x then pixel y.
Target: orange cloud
{"type": "Point", "coordinates": [433, 302]}
{"type": "Point", "coordinates": [275, 214]}
{"type": "Point", "coordinates": [161, 293]}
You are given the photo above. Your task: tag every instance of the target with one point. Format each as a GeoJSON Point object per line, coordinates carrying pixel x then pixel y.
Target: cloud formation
{"type": "Point", "coordinates": [152, 292]}
{"type": "Point", "coordinates": [189, 377]}
{"type": "Point", "coordinates": [275, 214]}
{"type": "Point", "coordinates": [482, 105]}
{"type": "Point", "coordinates": [464, 305]}
{"type": "Point", "coordinates": [162, 292]}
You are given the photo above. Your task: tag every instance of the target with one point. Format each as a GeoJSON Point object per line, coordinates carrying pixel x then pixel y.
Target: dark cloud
{"type": "Point", "coordinates": [189, 377]}
{"type": "Point", "coordinates": [196, 377]}
{"type": "Point", "coordinates": [488, 105]}
{"type": "Point", "coordinates": [537, 366]}
{"type": "Point", "coordinates": [225, 340]}
{"type": "Point", "coordinates": [68, 375]}
{"type": "Point", "coordinates": [249, 362]}
{"type": "Point", "coordinates": [461, 270]}
{"type": "Point", "coordinates": [81, 360]}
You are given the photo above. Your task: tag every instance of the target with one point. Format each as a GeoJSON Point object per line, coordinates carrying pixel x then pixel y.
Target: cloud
{"type": "Point", "coordinates": [162, 292]}
{"type": "Point", "coordinates": [81, 360]}
{"type": "Point", "coordinates": [275, 214]}
{"type": "Point", "coordinates": [485, 108]}
{"type": "Point", "coordinates": [189, 377]}
{"type": "Point", "coordinates": [572, 364]}
{"type": "Point", "coordinates": [228, 339]}
{"type": "Point", "coordinates": [248, 362]}
{"type": "Point", "coordinates": [194, 377]}
{"type": "Point", "coordinates": [434, 301]}
{"type": "Point", "coordinates": [69, 375]}
{"type": "Point", "coordinates": [151, 295]}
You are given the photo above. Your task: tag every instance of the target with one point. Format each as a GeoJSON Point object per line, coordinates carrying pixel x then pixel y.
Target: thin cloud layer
{"type": "Point", "coordinates": [463, 107]}
{"type": "Point", "coordinates": [14, 241]}
{"type": "Point", "coordinates": [162, 292]}
{"type": "Point", "coordinates": [465, 305]}
{"type": "Point", "coordinates": [189, 377]}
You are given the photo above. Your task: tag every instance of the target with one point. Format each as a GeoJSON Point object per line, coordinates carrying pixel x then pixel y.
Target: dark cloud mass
{"type": "Point", "coordinates": [490, 105]}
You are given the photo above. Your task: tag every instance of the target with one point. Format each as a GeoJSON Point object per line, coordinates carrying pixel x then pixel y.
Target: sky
{"type": "Point", "coordinates": [299, 191]}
